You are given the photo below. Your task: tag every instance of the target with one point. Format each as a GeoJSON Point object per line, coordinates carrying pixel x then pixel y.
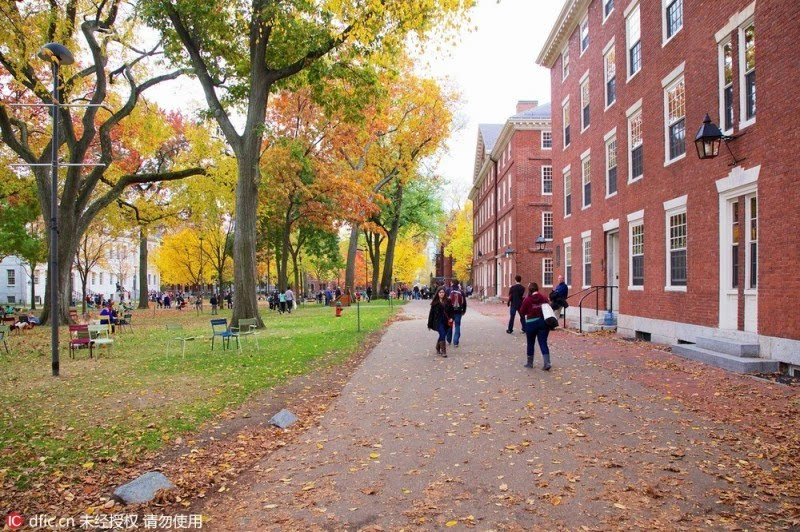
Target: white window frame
{"type": "Point", "coordinates": [545, 260]}
{"type": "Point", "coordinates": [632, 111]}
{"type": "Point", "coordinates": [635, 219]}
{"type": "Point", "coordinates": [568, 260]}
{"type": "Point", "coordinates": [565, 65]}
{"type": "Point", "coordinates": [610, 137]}
{"type": "Point", "coordinates": [584, 81]}
{"type": "Point", "coordinates": [544, 224]}
{"type": "Point", "coordinates": [743, 121]}
{"type": "Point", "coordinates": [567, 176]}
{"type": "Point", "coordinates": [584, 24]}
{"type": "Point", "coordinates": [584, 240]}
{"type": "Point", "coordinates": [609, 48]}
{"type": "Point", "coordinates": [550, 133]}
{"type": "Point", "coordinates": [722, 85]}
{"type": "Point", "coordinates": [586, 158]}
{"type": "Point", "coordinates": [565, 122]}
{"type": "Point", "coordinates": [633, 6]}
{"type": "Point", "coordinates": [603, 9]}
{"type": "Point", "coordinates": [508, 184]}
{"type": "Point", "coordinates": [543, 171]}
{"type": "Point", "coordinates": [11, 277]}
{"type": "Point", "coordinates": [673, 78]}
{"type": "Point", "coordinates": [674, 207]}
{"type": "Point", "coordinates": [664, 22]}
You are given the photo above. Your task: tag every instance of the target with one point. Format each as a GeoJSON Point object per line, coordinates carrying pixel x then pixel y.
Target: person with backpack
{"type": "Point", "coordinates": [459, 303]}
{"type": "Point", "coordinates": [535, 326]}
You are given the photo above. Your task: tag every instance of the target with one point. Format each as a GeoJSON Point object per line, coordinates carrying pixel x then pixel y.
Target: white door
{"type": "Point", "coordinates": [751, 264]}
{"type": "Point", "coordinates": [730, 233]}
{"type": "Point", "coordinates": [612, 269]}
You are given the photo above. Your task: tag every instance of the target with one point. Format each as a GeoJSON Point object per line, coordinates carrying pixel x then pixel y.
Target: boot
{"type": "Point", "coordinates": [444, 349]}
{"type": "Point", "coordinates": [530, 362]}
{"type": "Point", "coordinates": [438, 347]}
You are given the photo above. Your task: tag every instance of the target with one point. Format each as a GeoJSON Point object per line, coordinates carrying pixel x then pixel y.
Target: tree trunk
{"type": "Point", "coordinates": [67, 248]}
{"type": "Point", "coordinates": [144, 286]}
{"type": "Point", "coordinates": [83, 294]}
{"type": "Point", "coordinates": [296, 273]}
{"type": "Point", "coordinates": [33, 286]}
{"type": "Point", "coordinates": [388, 265]}
{"type": "Point", "coordinates": [245, 300]}
{"type": "Point", "coordinates": [375, 257]}
{"type": "Point", "coordinates": [350, 271]}
{"type": "Point", "coordinates": [283, 269]}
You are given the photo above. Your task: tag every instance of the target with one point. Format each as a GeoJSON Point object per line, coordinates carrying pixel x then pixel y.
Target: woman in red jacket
{"type": "Point", "coordinates": [535, 327]}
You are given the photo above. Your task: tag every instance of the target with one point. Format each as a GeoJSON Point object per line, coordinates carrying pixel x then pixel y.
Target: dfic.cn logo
{"type": "Point", "coordinates": [14, 521]}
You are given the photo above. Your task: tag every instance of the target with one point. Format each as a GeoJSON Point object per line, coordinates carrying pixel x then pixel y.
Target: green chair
{"type": "Point", "coordinates": [125, 322]}
{"type": "Point", "coordinates": [100, 335]}
{"type": "Point", "coordinates": [247, 327]}
{"type": "Point", "coordinates": [177, 329]}
{"type": "Point", "coordinates": [5, 331]}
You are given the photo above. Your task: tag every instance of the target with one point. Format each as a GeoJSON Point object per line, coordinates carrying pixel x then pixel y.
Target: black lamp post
{"type": "Point", "coordinates": [509, 252]}
{"type": "Point", "coordinates": [540, 243]}
{"type": "Point", "coordinates": [708, 139]}
{"type": "Point", "coordinates": [57, 55]}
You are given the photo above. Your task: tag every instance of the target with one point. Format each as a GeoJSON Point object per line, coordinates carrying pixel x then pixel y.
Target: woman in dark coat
{"type": "Point", "coordinates": [439, 319]}
{"type": "Point", "coordinates": [535, 327]}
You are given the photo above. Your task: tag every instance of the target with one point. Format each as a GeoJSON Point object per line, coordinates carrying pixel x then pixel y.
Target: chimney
{"type": "Point", "coordinates": [524, 105]}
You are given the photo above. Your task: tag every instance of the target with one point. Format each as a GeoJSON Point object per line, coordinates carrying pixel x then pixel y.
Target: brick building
{"type": "Point", "coordinates": [698, 248]}
{"type": "Point", "coordinates": [512, 197]}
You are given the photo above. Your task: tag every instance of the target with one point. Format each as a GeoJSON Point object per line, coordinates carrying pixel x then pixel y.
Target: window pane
{"type": "Point", "coordinates": [729, 107]}
{"type": "Point", "coordinates": [638, 271]}
{"type": "Point", "coordinates": [608, 7]}
{"type": "Point", "coordinates": [636, 130]}
{"type": "Point", "coordinates": [612, 180]}
{"type": "Point", "coordinates": [566, 136]}
{"type": "Point", "coordinates": [734, 266]}
{"type": "Point", "coordinates": [636, 57]}
{"type": "Point", "coordinates": [750, 94]}
{"type": "Point", "coordinates": [676, 102]}
{"type": "Point", "coordinates": [674, 17]}
{"type": "Point", "coordinates": [586, 117]}
{"type": "Point", "coordinates": [678, 268]}
{"type": "Point", "coordinates": [753, 265]}
{"type": "Point", "coordinates": [677, 139]}
{"type": "Point", "coordinates": [727, 58]}
{"type": "Point", "coordinates": [750, 47]}
{"type": "Point", "coordinates": [611, 91]}
{"type": "Point", "coordinates": [637, 163]}
{"type": "Point", "coordinates": [611, 66]}
{"type": "Point", "coordinates": [547, 179]}
{"type": "Point", "coordinates": [584, 35]}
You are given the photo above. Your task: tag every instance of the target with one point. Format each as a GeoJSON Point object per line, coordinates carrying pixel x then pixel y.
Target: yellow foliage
{"type": "Point", "coordinates": [409, 260]}
{"type": "Point", "coordinates": [458, 238]}
{"type": "Point", "coordinates": [179, 258]}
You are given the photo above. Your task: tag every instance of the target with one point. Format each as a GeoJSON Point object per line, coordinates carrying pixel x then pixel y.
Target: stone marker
{"type": "Point", "coordinates": [283, 419]}
{"type": "Point", "coordinates": [142, 489]}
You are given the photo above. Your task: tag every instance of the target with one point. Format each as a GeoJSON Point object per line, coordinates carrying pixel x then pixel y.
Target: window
{"type": "Point", "coordinates": [587, 262]}
{"type": "Point", "coordinates": [677, 243]}
{"type": "Point", "coordinates": [547, 225]}
{"type": "Point", "coordinates": [101, 277]}
{"type": "Point", "coordinates": [611, 76]}
{"type": "Point", "coordinates": [94, 278]}
{"type": "Point", "coordinates": [567, 194]}
{"type": "Point", "coordinates": [547, 140]}
{"type": "Point", "coordinates": [611, 166]}
{"type": "Point", "coordinates": [608, 7]}
{"type": "Point", "coordinates": [747, 55]}
{"type": "Point", "coordinates": [637, 254]}
{"type": "Point", "coordinates": [547, 272]}
{"type": "Point", "coordinates": [726, 86]}
{"type": "Point", "coordinates": [508, 184]}
{"type": "Point", "coordinates": [565, 63]}
{"type": "Point", "coordinates": [752, 243]}
{"type": "Point", "coordinates": [586, 173]}
{"type": "Point", "coordinates": [11, 277]}
{"type": "Point", "coordinates": [635, 142]}
{"type": "Point", "coordinates": [36, 278]}
{"type": "Point", "coordinates": [11, 299]}
{"type": "Point", "coordinates": [547, 180]}
{"type": "Point", "coordinates": [568, 263]}
{"type": "Point", "coordinates": [584, 35]}
{"type": "Point", "coordinates": [735, 244]}
{"type": "Point", "coordinates": [634, 41]}
{"type": "Point", "coordinates": [585, 104]}
{"type": "Point", "coordinates": [565, 115]}
{"type": "Point", "coordinates": [675, 101]}
{"type": "Point", "coordinates": [673, 18]}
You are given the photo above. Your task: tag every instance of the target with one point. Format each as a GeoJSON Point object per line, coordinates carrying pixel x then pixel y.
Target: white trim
{"type": "Point", "coordinates": [670, 288]}
{"type": "Point", "coordinates": [585, 239]}
{"type": "Point", "coordinates": [552, 271]}
{"type": "Point", "coordinates": [608, 45]}
{"type": "Point", "coordinates": [586, 234]}
{"type": "Point", "coordinates": [676, 159]}
{"type": "Point", "coordinates": [566, 169]}
{"type": "Point", "coordinates": [603, 10]}
{"type": "Point", "coordinates": [610, 225]}
{"type": "Point", "coordinates": [676, 203]}
{"type": "Point", "coordinates": [586, 154]}
{"type": "Point", "coordinates": [565, 51]}
{"type": "Point", "coordinates": [739, 181]}
{"type": "Point", "coordinates": [631, 225]}
{"type": "Point", "coordinates": [610, 134]}
{"type": "Point", "coordinates": [664, 39]}
{"type": "Point", "coordinates": [669, 78]}
{"type": "Point", "coordinates": [552, 225]}
{"type": "Point", "coordinates": [721, 73]}
{"type": "Point", "coordinates": [636, 216]}
{"type": "Point", "coordinates": [582, 50]}
{"type": "Point", "coordinates": [564, 102]}
{"type": "Point", "coordinates": [551, 179]}
{"type": "Point", "coordinates": [584, 77]}
{"type": "Point", "coordinates": [610, 137]}
{"type": "Point", "coordinates": [568, 240]}
{"type": "Point", "coordinates": [541, 139]}
{"type": "Point", "coordinates": [630, 8]}
{"type": "Point", "coordinates": [743, 122]}
{"type": "Point", "coordinates": [736, 20]}
{"type": "Point", "coordinates": [633, 108]}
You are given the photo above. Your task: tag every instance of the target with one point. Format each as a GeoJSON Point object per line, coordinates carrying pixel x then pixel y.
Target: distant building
{"type": "Point", "coordinates": [512, 197]}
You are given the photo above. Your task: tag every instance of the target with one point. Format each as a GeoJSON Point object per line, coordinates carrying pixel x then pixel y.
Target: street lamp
{"type": "Point", "coordinates": [540, 243]}
{"type": "Point", "coordinates": [57, 55]}
{"type": "Point", "coordinates": [509, 252]}
{"type": "Point", "coordinates": [708, 139]}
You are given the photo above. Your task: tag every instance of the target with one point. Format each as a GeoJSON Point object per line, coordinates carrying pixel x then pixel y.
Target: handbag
{"type": "Point", "coordinates": [549, 316]}
{"type": "Point", "coordinates": [450, 322]}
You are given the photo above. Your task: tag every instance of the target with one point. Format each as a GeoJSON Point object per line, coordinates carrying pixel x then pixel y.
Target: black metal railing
{"type": "Point", "coordinates": [586, 293]}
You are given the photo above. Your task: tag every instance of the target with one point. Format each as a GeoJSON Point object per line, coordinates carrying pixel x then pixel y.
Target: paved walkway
{"type": "Point", "coordinates": [616, 436]}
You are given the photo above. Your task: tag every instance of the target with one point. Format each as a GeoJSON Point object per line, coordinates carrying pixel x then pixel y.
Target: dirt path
{"type": "Point", "coordinates": [417, 441]}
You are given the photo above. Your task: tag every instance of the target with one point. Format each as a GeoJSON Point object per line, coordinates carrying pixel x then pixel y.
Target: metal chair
{"type": "Point", "coordinates": [100, 336]}
{"type": "Point", "coordinates": [125, 321]}
{"type": "Point", "coordinates": [177, 328]}
{"type": "Point", "coordinates": [219, 327]}
{"type": "Point", "coordinates": [79, 339]}
{"type": "Point", "coordinates": [247, 327]}
{"type": "Point", "coordinates": [5, 331]}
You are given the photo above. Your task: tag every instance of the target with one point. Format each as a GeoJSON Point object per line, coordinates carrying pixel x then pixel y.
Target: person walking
{"type": "Point", "coordinates": [213, 301]}
{"type": "Point", "coordinates": [289, 299]}
{"type": "Point", "coordinates": [282, 302]}
{"type": "Point", "coordinates": [440, 318]}
{"type": "Point", "coordinates": [369, 294]}
{"type": "Point", "coordinates": [459, 302]}
{"type": "Point", "coordinates": [515, 295]}
{"type": "Point", "coordinates": [535, 327]}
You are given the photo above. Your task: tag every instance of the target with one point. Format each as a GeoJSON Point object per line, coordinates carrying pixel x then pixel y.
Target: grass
{"type": "Point", "coordinates": [137, 397]}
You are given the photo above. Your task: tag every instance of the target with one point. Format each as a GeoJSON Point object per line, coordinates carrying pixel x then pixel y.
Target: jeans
{"type": "Point", "coordinates": [443, 330]}
{"type": "Point", "coordinates": [538, 330]}
{"type": "Point", "coordinates": [513, 313]}
{"type": "Point", "coordinates": [451, 335]}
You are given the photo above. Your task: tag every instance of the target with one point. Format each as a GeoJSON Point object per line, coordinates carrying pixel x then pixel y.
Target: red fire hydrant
{"type": "Point", "coordinates": [338, 309]}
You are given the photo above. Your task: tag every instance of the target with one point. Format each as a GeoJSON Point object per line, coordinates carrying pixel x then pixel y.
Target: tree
{"type": "Point", "coordinates": [409, 259]}
{"type": "Point", "coordinates": [87, 133]}
{"type": "Point", "coordinates": [181, 258]}
{"type": "Point", "coordinates": [92, 251]}
{"type": "Point", "coordinates": [241, 53]}
{"type": "Point", "coordinates": [458, 241]}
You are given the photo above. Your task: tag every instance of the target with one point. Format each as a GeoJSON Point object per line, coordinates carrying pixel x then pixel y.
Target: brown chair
{"type": "Point", "coordinates": [79, 337]}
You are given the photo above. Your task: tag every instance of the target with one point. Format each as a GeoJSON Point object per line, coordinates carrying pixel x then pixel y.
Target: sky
{"type": "Point", "coordinates": [492, 65]}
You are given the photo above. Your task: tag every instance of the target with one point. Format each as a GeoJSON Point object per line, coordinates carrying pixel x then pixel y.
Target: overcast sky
{"type": "Point", "coordinates": [492, 66]}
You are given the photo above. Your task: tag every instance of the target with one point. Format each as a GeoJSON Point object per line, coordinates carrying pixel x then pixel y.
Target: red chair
{"type": "Point", "coordinates": [79, 337]}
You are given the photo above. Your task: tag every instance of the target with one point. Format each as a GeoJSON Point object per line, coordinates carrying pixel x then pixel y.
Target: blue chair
{"type": "Point", "coordinates": [219, 327]}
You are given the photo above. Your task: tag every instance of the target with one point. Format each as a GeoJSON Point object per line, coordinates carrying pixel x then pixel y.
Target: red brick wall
{"type": "Point", "coordinates": [767, 143]}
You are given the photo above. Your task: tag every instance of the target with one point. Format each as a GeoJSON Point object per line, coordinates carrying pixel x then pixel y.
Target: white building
{"type": "Point", "coordinates": [120, 265]}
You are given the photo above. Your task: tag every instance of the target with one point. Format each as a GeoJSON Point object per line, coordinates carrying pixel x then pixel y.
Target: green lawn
{"type": "Point", "coordinates": [137, 397]}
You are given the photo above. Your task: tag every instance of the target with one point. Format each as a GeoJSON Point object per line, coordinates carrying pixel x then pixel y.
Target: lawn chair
{"type": "Point", "coordinates": [79, 338]}
{"type": "Point", "coordinates": [73, 315]}
{"type": "Point", "coordinates": [100, 336]}
{"type": "Point", "coordinates": [177, 329]}
{"type": "Point", "coordinates": [5, 331]}
{"type": "Point", "coordinates": [247, 327]}
{"type": "Point", "coordinates": [125, 321]}
{"type": "Point", "coordinates": [219, 327]}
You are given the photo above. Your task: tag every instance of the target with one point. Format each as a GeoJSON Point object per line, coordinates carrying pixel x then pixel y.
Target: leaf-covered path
{"type": "Point", "coordinates": [615, 436]}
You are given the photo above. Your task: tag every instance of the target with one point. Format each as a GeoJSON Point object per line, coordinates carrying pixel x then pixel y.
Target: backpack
{"type": "Point", "coordinates": [457, 299]}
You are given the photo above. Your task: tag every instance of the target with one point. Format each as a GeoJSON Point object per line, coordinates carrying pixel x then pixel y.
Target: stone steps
{"type": "Point", "coordinates": [728, 346]}
{"type": "Point", "coordinates": [736, 363]}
